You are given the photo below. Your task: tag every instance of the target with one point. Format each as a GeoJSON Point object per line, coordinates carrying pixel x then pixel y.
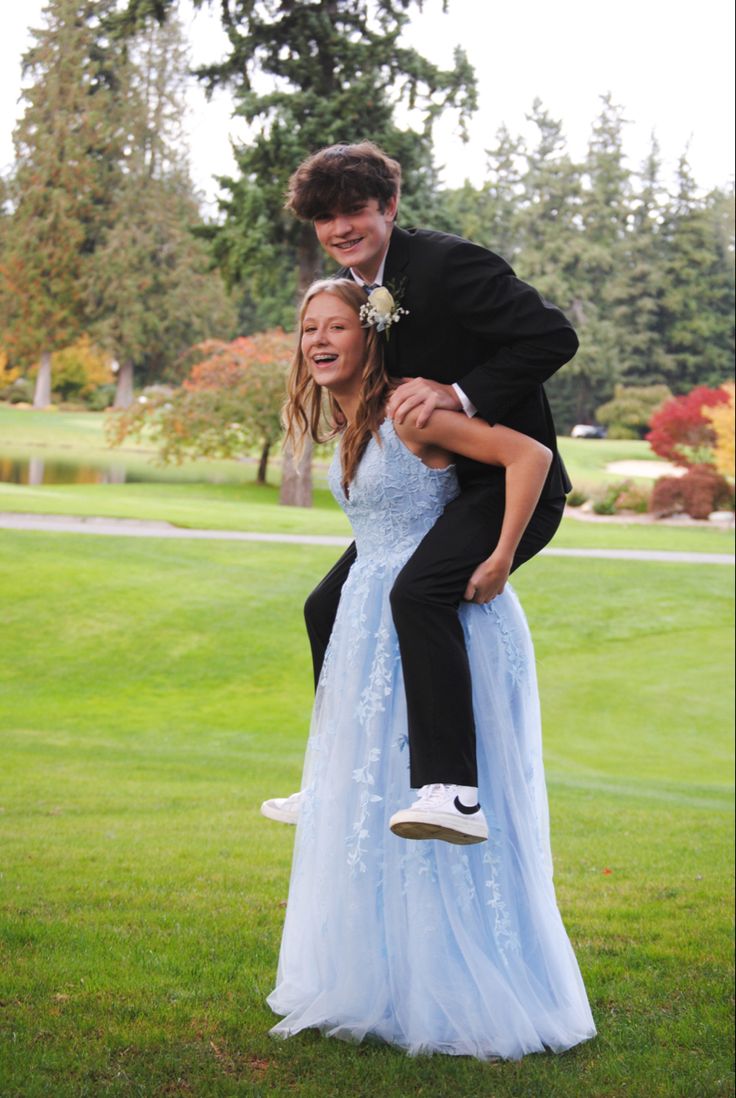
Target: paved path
{"type": "Point", "coordinates": [138, 528]}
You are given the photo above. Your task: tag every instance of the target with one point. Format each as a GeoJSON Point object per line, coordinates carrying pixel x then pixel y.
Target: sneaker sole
{"type": "Point", "coordinates": [424, 829]}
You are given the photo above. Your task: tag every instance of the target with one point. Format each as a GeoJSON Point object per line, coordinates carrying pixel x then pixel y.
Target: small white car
{"type": "Point", "coordinates": [587, 430]}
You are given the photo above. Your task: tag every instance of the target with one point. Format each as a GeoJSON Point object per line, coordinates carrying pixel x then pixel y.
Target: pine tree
{"type": "Point", "coordinates": [551, 243]}
{"type": "Point", "coordinates": [548, 222]}
{"type": "Point", "coordinates": [698, 303]}
{"type": "Point", "coordinates": [152, 288]}
{"type": "Point", "coordinates": [604, 220]}
{"type": "Point", "coordinates": [489, 215]}
{"type": "Point", "coordinates": [637, 287]}
{"type": "Point", "coordinates": [60, 188]}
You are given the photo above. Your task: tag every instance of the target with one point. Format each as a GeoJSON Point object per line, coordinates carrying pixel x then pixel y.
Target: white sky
{"type": "Point", "coordinates": [668, 63]}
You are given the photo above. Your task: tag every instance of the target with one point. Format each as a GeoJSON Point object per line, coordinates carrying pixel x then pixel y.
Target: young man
{"type": "Point", "coordinates": [477, 340]}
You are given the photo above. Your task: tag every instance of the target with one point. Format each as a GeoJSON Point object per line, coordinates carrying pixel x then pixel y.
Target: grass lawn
{"type": "Point", "coordinates": [181, 495]}
{"type": "Point", "coordinates": [586, 459]}
{"type": "Point", "coordinates": [80, 436]}
{"type": "Point", "coordinates": [70, 438]}
{"type": "Point", "coordinates": [154, 692]}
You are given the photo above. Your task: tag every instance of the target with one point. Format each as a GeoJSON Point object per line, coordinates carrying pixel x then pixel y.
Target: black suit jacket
{"type": "Point", "coordinates": [471, 321]}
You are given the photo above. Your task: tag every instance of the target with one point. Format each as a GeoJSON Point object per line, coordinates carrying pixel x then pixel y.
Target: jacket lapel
{"type": "Point", "coordinates": [394, 273]}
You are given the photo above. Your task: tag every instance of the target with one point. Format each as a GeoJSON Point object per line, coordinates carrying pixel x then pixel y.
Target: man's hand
{"type": "Point", "coordinates": [418, 392]}
{"type": "Point", "coordinates": [489, 578]}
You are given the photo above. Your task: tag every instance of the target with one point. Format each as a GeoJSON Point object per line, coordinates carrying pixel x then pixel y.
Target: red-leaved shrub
{"type": "Point", "coordinates": [679, 430]}
{"type": "Point", "coordinates": [697, 493]}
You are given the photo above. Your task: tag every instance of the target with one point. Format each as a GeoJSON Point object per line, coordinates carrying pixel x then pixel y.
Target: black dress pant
{"type": "Point", "coordinates": [424, 602]}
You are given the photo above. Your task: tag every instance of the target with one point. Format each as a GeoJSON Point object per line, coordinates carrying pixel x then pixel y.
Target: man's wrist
{"type": "Point", "coordinates": [466, 405]}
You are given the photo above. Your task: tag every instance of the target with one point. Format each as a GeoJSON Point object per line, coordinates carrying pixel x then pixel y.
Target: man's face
{"type": "Point", "coordinates": [358, 237]}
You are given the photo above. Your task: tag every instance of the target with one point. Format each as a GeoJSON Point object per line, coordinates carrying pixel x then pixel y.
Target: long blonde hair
{"type": "Point", "coordinates": [308, 413]}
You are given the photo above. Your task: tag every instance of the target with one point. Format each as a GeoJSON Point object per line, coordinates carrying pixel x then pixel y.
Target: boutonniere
{"type": "Point", "coordinates": [382, 309]}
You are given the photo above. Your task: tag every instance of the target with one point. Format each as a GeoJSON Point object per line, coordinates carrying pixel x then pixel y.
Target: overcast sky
{"type": "Point", "coordinates": [668, 63]}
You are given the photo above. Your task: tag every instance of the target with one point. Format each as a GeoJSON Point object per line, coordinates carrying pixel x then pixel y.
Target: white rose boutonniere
{"type": "Point", "coordinates": [381, 310]}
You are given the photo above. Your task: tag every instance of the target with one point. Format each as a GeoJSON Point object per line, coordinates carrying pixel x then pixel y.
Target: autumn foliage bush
{"type": "Point", "coordinates": [701, 490]}
{"type": "Point", "coordinates": [723, 420]}
{"type": "Point", "coordinates": [229, 404]}
{"type": "Point", "coordinates": [681, 432]}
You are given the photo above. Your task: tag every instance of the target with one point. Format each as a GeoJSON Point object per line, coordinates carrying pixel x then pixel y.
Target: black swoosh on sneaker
{"type": "Point", "coordinates": [464, 808]}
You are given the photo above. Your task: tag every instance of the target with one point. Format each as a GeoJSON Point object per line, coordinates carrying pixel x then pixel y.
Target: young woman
{"type": "Point", "coordinates": [435, 947]}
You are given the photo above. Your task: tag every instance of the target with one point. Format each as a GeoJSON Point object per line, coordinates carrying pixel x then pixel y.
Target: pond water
{"type": "Point", "coordinates": [38, 470]}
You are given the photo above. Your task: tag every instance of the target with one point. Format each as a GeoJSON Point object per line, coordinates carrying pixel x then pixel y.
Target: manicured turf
{"type": "Point", "coordinates": [80, 436]}
{"type": "Point", "coordinates": [255, 507]}
{"type": "Point", "coordinates": [154, 692]}
{"type": "Point", "coordinates": [586, 458]}
{"type": "Point", "coordinates": [230, 500]}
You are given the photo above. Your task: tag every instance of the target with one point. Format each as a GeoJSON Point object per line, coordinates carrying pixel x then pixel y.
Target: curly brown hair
{"type": "Point", "coordinates": [338, 177]}
{"type": "Point", "coordinates": [305, 414]}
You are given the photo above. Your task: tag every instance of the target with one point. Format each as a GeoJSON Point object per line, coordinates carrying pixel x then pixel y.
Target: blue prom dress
{"type": "Point", "coordinates": [429, 946]}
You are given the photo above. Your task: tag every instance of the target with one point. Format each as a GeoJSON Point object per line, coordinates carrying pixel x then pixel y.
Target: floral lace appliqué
{"type": "Point", "coordinates": [503, 932]}
{"type": "Point", "coordinates": [516, 658]}
{"type": "Point", "coordinates": [388, 475]}
{"type": "Point", "coordinates": [462, 880]}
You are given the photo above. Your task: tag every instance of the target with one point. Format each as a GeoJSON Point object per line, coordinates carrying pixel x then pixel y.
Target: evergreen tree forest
{"type": "Point", "coordinates": [101, 234]}
{"type": "Point", "coordinates": [644, 267]}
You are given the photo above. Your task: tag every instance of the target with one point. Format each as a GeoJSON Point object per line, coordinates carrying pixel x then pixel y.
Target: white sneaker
{"type": "Point", "coordinates": [284, 810]}
{"type": "Point", "coordinates": [438, 814]}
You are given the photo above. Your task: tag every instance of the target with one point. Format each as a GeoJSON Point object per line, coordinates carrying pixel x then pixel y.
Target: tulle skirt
{"type": "Point", "coordinates": [428, 946]}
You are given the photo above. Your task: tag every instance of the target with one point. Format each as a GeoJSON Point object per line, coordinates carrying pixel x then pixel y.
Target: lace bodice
{"type": "Point", "coordinates": [394, 499]}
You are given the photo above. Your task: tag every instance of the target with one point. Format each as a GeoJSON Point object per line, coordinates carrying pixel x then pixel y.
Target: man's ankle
{"type": "Point", "coordinates": [468, 795]}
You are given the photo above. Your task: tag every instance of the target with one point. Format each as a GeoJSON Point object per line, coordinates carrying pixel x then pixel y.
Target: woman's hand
{"type": "Point", "coordinates": [489, 578]}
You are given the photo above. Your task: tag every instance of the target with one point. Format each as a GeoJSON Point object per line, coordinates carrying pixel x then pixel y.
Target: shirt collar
{"type": "Point", "coordinates": [377, 281]}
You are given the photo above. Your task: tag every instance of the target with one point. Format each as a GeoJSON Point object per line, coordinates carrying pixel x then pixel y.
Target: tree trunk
{"type": "Point", "coordinates": [263, 463]}
{"type": "Point", "coordinates": [124, 389]}
{"type": "Point", "coordinates": [296, 480]}
{"type": "Point", "coordinates": [42, 392]}
{"type": "Point", "coordinates": [309, 257]}
{"type": "Point", "coordinates": [35, 471]}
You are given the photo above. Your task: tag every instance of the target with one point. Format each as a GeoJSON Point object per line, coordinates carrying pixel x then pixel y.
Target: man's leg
{"type": "Point", "coordinates": [321, 607]}
{"type": "Point", "coordinates": [425, 601]}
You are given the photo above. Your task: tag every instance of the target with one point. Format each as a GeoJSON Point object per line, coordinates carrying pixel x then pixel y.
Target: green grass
{"type": "Point", "coordinates": [68, 438]}
{"type": "Point", "coordinates": [180, 495]}
{"type": "Point", "coordinates": [80, 436]}
{"type": "Point", "coordinates": [204, 506]}
{"type": "Point", "coordinates": [255, 507]}
{"type": "Point", "coordinates": [154, 692]}
{"type": "Point", "coordinates": [586, 459]}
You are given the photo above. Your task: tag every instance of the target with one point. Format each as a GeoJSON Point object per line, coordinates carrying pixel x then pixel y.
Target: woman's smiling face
{"type": "Point", "coordinates": [333, 343]}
